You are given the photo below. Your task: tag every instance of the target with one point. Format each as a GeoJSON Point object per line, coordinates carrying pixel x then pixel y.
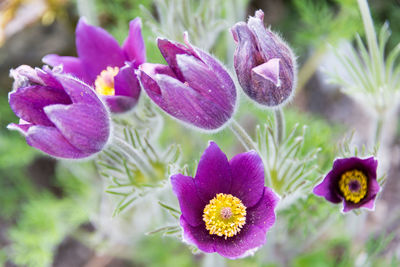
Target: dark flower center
{"type": "Point", "coordinates": [353, 185]}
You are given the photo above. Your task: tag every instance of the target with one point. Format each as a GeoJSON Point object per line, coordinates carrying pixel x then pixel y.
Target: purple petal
{"type": "Point", "coordinates": [126, 83]}
{"type": "Point", "coordinates": [328, 189]}
{"type": "Point", "coordinates": [259, 220]}
{"type": "Point", "coordinates": [133, 46]}
{"type": "Point", "coordinates": [147, 76]}
{"type": "Point", "coordinates": [86, 127]}
{"type": "Point", "coordinates": [170, 50]}
{"type": "Point", "coordinates": [184, 103]}
{"type": "Point", "coordinates": [119, 103]}
{"type": "Point", "coordinates": [78, 91]}
{"type": "Point", "coordinates": [203, 79]}
{"type": "Point", "coordinates": [52, 142]}
{"type": "Point", "coordinates": [213, 174]}
{"type": "Point", "coordinates": [28, 102]}
{"type": "Point", "coordinates": [97, 49]}
{"type": "Point", "coordinates": [71, 65]}
{"type": "Point", "coordinates": [198, 236]}
{"type": "Point", "coordinates": [247, 178]}
{"type": "Point", "coordinates": [191, 205]}
{"type": "Point", "coordinates": [246, 54]}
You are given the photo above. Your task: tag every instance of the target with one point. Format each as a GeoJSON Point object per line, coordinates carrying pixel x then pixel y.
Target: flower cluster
{"type": "Point", "coordinates": [226, 207]}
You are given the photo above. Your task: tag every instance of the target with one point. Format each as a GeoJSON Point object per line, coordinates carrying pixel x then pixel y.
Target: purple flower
{"type": "Point", "coordinates": [351, 181]}
{"type": "Point", "coordinates": [59, 114]}
{"type": "Point", "coordinates": [194, 87]}
{"type": "Point", "coordinates": [264, 64]}
{"type": "Point", "coordinates": [226, 208]}
{"type": "Point", "coordinates": [102, 63]}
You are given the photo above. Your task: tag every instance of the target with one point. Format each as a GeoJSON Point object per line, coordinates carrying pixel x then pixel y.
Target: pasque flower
{"type": "Point", "coordinates": [106, 66]}
{"type": "Point", "coordinates": [264, 64]}
{"type": "Point", "coordinates": [194, 88]}
{"type": "Point", "coordinates": [351, 181]}
{"type": "Point", "coordinates": [226, 208]}
{"type": "Point", "coordinates": [59, 114]}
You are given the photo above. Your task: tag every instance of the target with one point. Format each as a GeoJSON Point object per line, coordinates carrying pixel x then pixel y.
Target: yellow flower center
{"type": "Point", "coordinates": [225, 215]}
{"type": "Point", "coordinates": [104, 83]}
{"type": "Point", "coordinates": [353, 185]}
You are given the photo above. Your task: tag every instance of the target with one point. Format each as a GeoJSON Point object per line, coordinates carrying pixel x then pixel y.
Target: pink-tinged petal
{"type": "Point", "coordinates": [204, 80]}
{"type": "Point", "coordinates": [133, 46]}
{"type": "Point", "coordinates": [213, 174]}
{"type": "Point", "coordinates": [48, 77]}
{"type": "Point", "coordinates": [22, 128]}
{"type": "Point", "coordinates": [247, 178]}
{"type": "Point", "coordinates": [269, 71]}
{"type": "Point", "coordinates": [25, 76]}
{"type": "Point", "coordinates": [198, 236]}
{"type": "Point", "coordinates": [127, 83]}
{"type": "Point", "coordinates": [147, 76]}
{"type": "Point", "coordinates": [170, 50]}
{"type": "Point", "coordinates": [191, 205]}
{"type": "Point", "coordinates": [52, 142]}
{"type": "Point", "coordinates": [259, 220]}
{"type": "Point", "coordinates": [86, 127]}
{"type": "Point", "coordinates": [78, 91]}
{"type": "Point", "coordinates": [28, 102]}
{"type": "Point", "coordinates": [97, 49]}
{"type": "Point", "coordinates": [70, 65]}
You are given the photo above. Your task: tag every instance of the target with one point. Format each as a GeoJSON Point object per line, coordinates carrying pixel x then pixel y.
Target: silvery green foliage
{"type": "Point", "coordinates": [371, 77]}
{"type": "Point", "coordinates": [288, 171]}
{"type": "Point", "coordinates": [133, 166]}
{"type": "Point", "coordinates": [204, 20]}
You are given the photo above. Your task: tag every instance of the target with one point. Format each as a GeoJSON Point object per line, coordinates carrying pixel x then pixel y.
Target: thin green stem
{"type": "Point", "coordinates": [279, 125]}
{"type": "Point", "coordinates": [242, 135]}
{"type": "Point", "coordinates": [378, 130]}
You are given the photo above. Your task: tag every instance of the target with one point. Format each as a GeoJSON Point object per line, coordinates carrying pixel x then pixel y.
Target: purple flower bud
{"type": "Point", "coordinates": [264, 64]}
{"type": "Point", "coordinates": [106, 66]}
{"type": "Point", "coordinates": [194, 88]}
{"type": "Point", "coordinates": [351, 181]}
{"type": "Point", "coordinates": [59, 114]}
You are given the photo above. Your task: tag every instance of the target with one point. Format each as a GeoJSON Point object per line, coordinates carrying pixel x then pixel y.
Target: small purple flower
{"type": "Point", "coordinates": [351, 181]}
{"type": "Point", "coordinates": [194, 88]}
{"type": "Point", "coordinates": [226, 208]}
{"type": "Point", "coordinates": [264, 64]}
{"type": "Point", "coordinates": [106, 66]}
{"type": "Point", "coordinates": [59, 114]}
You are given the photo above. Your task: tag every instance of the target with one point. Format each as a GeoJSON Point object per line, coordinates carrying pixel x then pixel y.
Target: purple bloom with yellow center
{"type": "Point", "coordinates": [351, 181]}
{"type": "Point", "coordinates": [226, 208]}
{"type": "Point", "coordinates": [194, 88]}
{"type": "Point", "coordinates": [106, 66]}
{"type": "Point", "coordinates": [59, 114]}
{"type": "Point", "coordinates": [264, 64]}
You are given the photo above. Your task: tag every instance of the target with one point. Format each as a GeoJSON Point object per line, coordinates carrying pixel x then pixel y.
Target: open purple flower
{"type": "Point", "coordinates": [226, 208]}
{"type": "Point", "coordinates": [106, 66]}
{"type": "Point", "coordinates": [264, 64]}
{"type": "Point", "coordinates": [194, 88]}
{"type": "Point", "coordinates": [351, 181]}
{"type": "Point", "coordinates": [59, 114]}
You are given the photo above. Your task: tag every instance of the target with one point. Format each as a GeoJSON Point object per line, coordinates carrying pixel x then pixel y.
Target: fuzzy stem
{"type": "Point", "coordinates": [141, 163]}
{"type": "Point", "coordinates": [378, 130]}
{"type": "Point", "coordinates": [243, 136]}
{"type": "Point", "coordinates": [280, 125]}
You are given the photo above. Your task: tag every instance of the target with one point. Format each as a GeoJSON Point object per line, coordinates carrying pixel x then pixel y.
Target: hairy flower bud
{"type": "Point", "coordinates": [264, 64]}
{"type": "Point", "coordinates": [59, 114]}
{"type": "Point", "coordinates": [194, 88]}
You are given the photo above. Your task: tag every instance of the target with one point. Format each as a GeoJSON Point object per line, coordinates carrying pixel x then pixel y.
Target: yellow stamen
{"type": "Point", "coordinates": [225, 215]}
{"type": "Point", "coordinates": [353, 185]}
{"type": "Point", "coordinates": [104, 83]}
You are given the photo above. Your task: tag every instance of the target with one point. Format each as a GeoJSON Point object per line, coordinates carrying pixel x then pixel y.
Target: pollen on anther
{"type": "Point", "coordinates": [225, 215]}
